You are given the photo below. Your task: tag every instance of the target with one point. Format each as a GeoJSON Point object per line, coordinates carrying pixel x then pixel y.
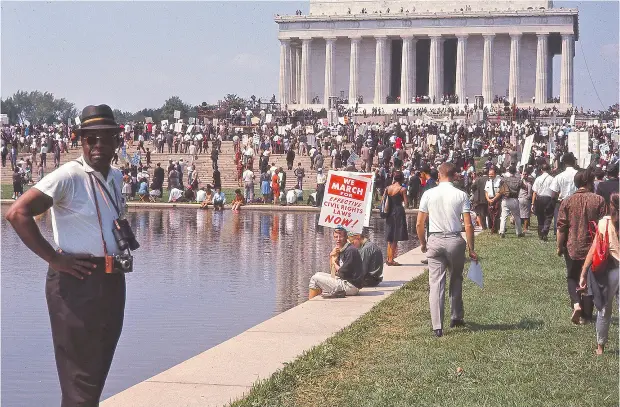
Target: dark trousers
{"type": "Point", "coordinates": [86, 318]}
{"type": "Point", "coordinates": [573, 273]}
{"type": "Point", "coordinates": [482, 211]}
{"type": "Point", "coordinates": [543, 208]}
{"type": "Point", "coordinates": [320, 192]}
{"type": "Point", "coordinates": [495, 212]}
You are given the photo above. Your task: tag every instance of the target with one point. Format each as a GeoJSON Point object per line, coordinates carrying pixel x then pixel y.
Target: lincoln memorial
{"type": "Point", "coordinates": [394, 53]}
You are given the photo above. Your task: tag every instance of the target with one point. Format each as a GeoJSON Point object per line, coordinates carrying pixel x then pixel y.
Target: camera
{"type": "Point", "coordinates": [120, 263]}
{"type": "Point", "coordinates": [124, 235]}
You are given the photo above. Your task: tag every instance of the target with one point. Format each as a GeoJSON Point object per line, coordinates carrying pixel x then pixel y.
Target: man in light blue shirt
{"type": "Point", "coordinates": [219, 199]}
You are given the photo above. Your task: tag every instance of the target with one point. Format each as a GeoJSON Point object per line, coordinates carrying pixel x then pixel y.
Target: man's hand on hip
{"type": "Point", "coordinates": [76, 265]}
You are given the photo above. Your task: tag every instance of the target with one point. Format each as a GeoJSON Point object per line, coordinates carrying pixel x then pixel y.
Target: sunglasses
{"type": "Point", "coordinates": [93, 140]}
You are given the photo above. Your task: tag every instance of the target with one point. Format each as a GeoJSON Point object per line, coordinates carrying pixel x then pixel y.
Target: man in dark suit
{"type": "Point", "coordinates": [611, 186]}
{"type": "Point", "coordinates": [158, 177]}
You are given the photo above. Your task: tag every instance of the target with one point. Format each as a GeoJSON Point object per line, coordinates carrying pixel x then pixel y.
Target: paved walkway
{"type": "Point", "coordinates": [226, 372]}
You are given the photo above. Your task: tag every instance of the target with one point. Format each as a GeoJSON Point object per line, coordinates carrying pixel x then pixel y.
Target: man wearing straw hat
{"type": "Point", "coordinates": [85, 297]}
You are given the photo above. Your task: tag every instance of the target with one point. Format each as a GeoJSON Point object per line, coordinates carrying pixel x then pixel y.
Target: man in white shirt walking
{"type": "Point", "coordinates": [543, 203]}
{"type": "Point", "coordinates": [443, 206]}
{"type": "Point", "coordinates": [248, 182]}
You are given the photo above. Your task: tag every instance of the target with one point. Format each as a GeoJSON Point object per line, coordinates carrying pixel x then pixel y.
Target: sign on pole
{"type": "Point", "coordinates": [348, 200]}
{"type": "Point", "coordinates": [5, 119]}
{"type": "Point", "coordinates": [177, 114]}
{"type": "Point", "coordinates": [148, 119]}
{"type": "Point", "coordinates": [527, 150]}
{"type": "Point", "coordinates": [578, 145]}
{"type": "Point", "coordinates": [78, 121]}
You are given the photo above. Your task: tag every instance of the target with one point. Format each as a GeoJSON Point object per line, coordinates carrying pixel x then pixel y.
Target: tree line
{"type": "Point", "coordinates": [40, 108]}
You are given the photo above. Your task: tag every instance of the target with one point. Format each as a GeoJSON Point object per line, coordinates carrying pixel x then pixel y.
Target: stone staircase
{"type": "Point", "coordinates": [226, 165]}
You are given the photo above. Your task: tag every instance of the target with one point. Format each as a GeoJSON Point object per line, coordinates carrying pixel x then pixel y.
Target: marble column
{"type": "Point", "coordinates": [487, 69]}
{"type": "Point", "coordinates": [542, 59]}
{"type": "Point", "coordinates": [329, 69]}
{"type": "Point", "coordinates": [566, 71]}
{"type": "Point", "coordinates": [284, 72]}
{"type": "Point", "coordinates": [380, 71]}
{"type": "Point", "coordinates": [513, 78]}
{"type": "Point", "coordinates": [407, 69]}
{"type": "Point", "coordinates": [550, 76]}
{"type": "Point", "coordinates": [291, 70]}
{"type": "Point", "coordinates": [461, 64]}
{"type": "Point", "coordinates": [434, 70]}
{"type": "Point", "coordinates": [304, 77]}
{"type": "Point", "coordinates": [354, 70]}
{"type": "Point", "coordinates": [297, 73]}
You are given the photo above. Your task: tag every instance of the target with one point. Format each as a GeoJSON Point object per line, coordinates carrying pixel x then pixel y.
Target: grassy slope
{"type": "Point", "coordinates": [518, 349]}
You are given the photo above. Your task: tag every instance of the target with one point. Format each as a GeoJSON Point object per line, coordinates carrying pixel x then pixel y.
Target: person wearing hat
{"type": "Point", "coordinates": [86, 304]}
{"type": "Point", "coordinates": [347, 269]}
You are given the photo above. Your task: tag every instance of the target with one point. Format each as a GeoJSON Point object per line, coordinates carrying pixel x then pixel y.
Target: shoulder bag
{"type": "Point", "coordinates": [385, 207]}
{"type": "Point", "coordinates": [601, 249]}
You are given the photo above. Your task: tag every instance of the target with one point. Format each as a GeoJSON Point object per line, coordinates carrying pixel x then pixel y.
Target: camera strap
{"type": "Point", "coordinates": [103, 188]}
{"type": "Point", "coordinates": [92, 184]}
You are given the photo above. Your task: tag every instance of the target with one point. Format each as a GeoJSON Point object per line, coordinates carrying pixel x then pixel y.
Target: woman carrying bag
{"type": "Point", "coordinates": [396, 220]}
{"type": "Point", "coordinates": [602, 281]}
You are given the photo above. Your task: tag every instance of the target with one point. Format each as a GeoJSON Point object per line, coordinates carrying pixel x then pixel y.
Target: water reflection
{"type": "Point", "coordinates": [201, 277]}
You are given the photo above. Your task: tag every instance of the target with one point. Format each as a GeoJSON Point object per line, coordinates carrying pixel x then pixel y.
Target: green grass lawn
{"type": "Point", "coordinates": [518, 348]}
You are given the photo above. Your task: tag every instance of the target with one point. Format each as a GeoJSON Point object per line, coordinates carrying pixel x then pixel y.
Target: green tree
{"type": "Point", "coordinates": [8, 108]}
{"type": "Point", "coordinates": [232, 101]}
{"type": "Point", "coordinates": [172, 104]}
{"type": "Point", "coordinates": [39, 108]}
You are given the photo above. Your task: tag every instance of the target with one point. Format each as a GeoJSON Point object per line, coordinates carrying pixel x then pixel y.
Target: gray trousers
{"type": "Point", "coordinates": [603, 317]}
{"type": "Point", "coordinates": [445, 251]}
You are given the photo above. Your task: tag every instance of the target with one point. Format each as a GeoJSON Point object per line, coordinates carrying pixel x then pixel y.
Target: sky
{"type": "Point", "coordinates": [134, 55]}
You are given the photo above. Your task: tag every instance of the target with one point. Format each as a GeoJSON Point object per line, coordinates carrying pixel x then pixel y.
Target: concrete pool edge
{"type": "Point", "coordinates": [257, 207]}
{"type": "Point", "coordinates": [227, 371]}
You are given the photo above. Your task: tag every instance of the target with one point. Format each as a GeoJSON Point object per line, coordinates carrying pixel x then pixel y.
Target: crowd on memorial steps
{"type": "Point", "coordinates": [405, 154]}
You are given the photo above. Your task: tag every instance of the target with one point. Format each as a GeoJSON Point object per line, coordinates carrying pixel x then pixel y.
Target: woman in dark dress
{"type": "Point", "coordinates": [396, 222]}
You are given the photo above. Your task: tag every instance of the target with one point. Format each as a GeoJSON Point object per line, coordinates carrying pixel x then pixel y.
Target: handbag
{"type": "Point", "coordinates": [601, 248]}
{"type": "Point", "coordinates": [385, 207]}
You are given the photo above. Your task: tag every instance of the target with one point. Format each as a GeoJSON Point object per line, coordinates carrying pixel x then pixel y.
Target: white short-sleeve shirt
{"type": "Point", "coordinates": [492, 186]}
{"type": "Point", "coordinates": [445, 204]}
{"type": "Point", "coordinates": [542, 184]}
{"type": "Point", "coordinates": [564, 183]}
{"type": "Point", "coordinates": [74, 215]}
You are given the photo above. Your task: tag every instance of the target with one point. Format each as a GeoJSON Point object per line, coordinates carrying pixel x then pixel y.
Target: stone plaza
{"type": "Point", "coordinates": [386, 53]}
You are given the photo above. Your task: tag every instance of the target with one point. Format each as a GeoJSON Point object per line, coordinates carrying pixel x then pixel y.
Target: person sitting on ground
{"type": "Point", "coordinates": [219, 199]}
{"type": "Point", "coordinates": [175, 195]}
{"type": "Point", "coordinates": [237, 201]}
{"type": "Point", "coordinates": [294, 195]}
{"type": "Point", "coordinates": [143, 190]}
{"type": "Point", "coordinates": [208, 198]}
{"type": "Point", "coordinates": [201, 195]}
{"type": "Point", "coordinates": [347, 273]}
{"type": "Point", "coordinates": [372, 259]}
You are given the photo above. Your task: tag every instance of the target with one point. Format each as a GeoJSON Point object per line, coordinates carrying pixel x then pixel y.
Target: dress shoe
{"type": "Point", "coordinates": [438, 332]}
{"type": "Point", "coordinates": [521, 235]}
{"type": "Point", "coordinates": [456, 323]}
{"type": "Point", "coordinates": [502, 235]}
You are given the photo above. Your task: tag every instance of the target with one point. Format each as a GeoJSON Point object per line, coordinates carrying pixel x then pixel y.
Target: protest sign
{"type": "Point", "coordinates": [255, 121]}
{"type": "Point", "coordinates": [189, 129]}
{"type": "Point", "coordinates": [192, 120]}
{"type": "Point", "coordinates": [268, 118]}
{"type": "Point", "coordinates": [177, 114]}
{"type": "Point", "coordinates": [164, 123]}
{"type": "Point", "coordinates": [78, 121]}
{"type": "Point", "coordinates": [527, 150]}
{"type": "Point", "coordinates": [178, 127]}
{"type": "Point", "coordinates": [578, 144]}
{"type": "Point", "coordinates": [309, 129]}
{"type": "Point", "coordinates": [347, 201]}
{"type": "Point", "coordinates": [604, 148]}
{"type": "Point", "coordinates": [148, 119]}
{"type": "Point", "coordinates": [431, 139]}
{"type": "Point", "coordinates": [5, 119]}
